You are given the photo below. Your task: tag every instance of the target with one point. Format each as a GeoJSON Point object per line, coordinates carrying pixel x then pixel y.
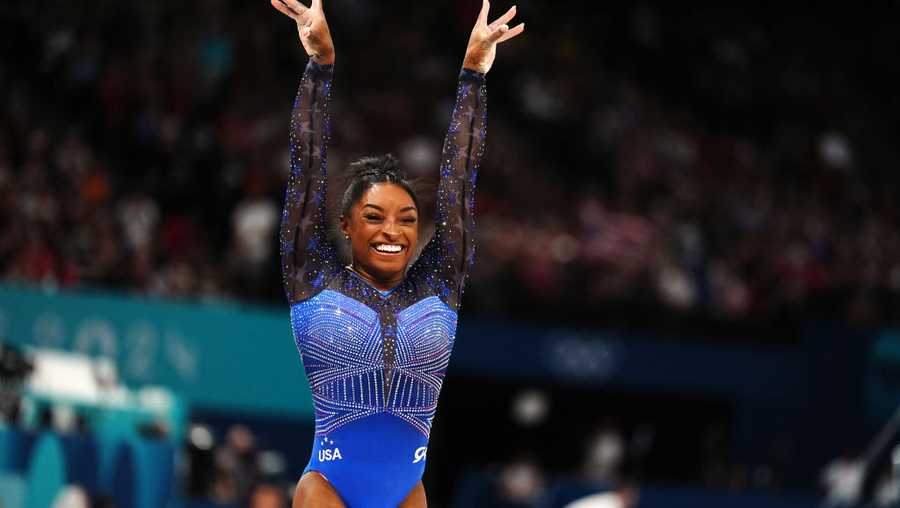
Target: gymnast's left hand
{"type": "Point", "coordinates": [312, 28]}
{"type": "Point", "coordinates": [482, 48]}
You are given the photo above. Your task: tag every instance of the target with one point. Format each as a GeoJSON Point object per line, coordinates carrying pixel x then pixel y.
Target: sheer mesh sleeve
{"type": "Point", "coordinates": [446, 258]}
{"type": "Point", "coordinates": [308, 258]}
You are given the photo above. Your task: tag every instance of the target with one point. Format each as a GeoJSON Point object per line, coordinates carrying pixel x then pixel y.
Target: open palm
{"type": "Point", "coordinates": [312, 27]}
{"type": "Point", "coordinates": [482, 48]}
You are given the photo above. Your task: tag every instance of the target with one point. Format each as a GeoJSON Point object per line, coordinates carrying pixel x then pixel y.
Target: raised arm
{"type": "Point", "coordinates": [447, 257]}
{"type": "Point", "coordinates": [308, 258]}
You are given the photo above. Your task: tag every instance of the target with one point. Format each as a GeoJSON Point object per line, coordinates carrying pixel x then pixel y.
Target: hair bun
{"type": "Point", "coordinates": [382, 166]}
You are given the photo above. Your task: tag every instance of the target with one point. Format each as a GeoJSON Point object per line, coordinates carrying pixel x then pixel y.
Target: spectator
{"type": "Point", "coordinates": [73, 496]}
{"type": "Point", "coordinates": [842, 480]}
{"type": "Point", "coordinates": [520, 483]}
{"type": "Point", "coordinates": [268, 496]}
{"type": "Point", "coordinates": [623, 499]}
{"type": "Point", "coordinates": [236, 466]}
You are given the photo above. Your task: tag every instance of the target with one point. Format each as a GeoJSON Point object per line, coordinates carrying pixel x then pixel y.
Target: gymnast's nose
{"type": "Point", "coordinates": [390, 230]}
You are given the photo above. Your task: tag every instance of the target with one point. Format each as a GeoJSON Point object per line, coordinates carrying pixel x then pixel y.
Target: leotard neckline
{"type": "Point", "coordinates": [383, 293]}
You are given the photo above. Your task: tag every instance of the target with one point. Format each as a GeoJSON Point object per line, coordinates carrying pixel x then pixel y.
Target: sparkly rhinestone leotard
{"type": "Point", "coordinates": [375, 360]}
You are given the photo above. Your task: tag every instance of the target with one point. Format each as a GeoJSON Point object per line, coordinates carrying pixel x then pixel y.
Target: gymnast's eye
{"type": "Point", "coordinates": [372, 217]}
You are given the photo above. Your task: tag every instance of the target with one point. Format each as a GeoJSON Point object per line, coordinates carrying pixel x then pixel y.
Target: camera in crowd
{"type": "Point", "coordinates": [15, 367]}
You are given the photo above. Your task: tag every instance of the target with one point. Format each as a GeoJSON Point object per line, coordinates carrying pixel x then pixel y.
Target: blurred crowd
{"type": "Point", "coordinates": [719, 162]}
{"type": "Point", "coordinates": [231, 472]}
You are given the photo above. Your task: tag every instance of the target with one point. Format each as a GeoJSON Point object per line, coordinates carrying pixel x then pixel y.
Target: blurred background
{"type": "Point", "coordinates": [687, 287]}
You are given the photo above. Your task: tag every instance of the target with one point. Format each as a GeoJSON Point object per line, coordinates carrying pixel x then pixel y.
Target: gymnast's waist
{"type": "Point", "coordinates": [379, 439]}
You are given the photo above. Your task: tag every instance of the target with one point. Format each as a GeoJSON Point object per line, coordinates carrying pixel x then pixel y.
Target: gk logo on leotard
{"type": "Point", "coordinates": [420, 454]}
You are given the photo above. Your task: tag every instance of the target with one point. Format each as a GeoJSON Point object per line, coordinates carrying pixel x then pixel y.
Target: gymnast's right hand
{"type": "Point", "coordinates": [312, 27]}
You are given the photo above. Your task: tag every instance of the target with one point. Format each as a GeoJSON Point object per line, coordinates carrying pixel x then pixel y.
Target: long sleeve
{"type": "Point", "coordinates": [308, 258]}
{"type": "Point", "coordinates": [447, 257]}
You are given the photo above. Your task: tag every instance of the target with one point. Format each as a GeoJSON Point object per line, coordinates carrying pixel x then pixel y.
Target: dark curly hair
{"type": "Point", "coordinates": [366, 172]}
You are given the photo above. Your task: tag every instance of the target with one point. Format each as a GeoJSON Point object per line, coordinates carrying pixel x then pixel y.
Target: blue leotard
{"type": "Point", "coordinates": [375, 360]}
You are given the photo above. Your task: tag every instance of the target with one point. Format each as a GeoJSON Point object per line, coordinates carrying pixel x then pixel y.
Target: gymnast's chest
{"type": "Point", "coordinates": [335, 330]}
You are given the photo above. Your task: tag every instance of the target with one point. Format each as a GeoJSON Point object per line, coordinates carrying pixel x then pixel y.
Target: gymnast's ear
{"type": "Point", "coordinates": [345, 226]}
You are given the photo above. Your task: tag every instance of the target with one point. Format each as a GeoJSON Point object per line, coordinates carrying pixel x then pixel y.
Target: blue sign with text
{"type": "Point", "coordinates": [218, 355]}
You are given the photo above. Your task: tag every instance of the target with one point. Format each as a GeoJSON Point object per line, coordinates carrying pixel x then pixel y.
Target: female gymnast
{"type": "Point", "coordinates": [375, 336]}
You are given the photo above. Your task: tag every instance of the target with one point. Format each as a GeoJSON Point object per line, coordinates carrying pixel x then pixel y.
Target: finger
{"type": "Point", "coordinates": [296, 6]}
{"type": "Point", "coordinates": [497, 34]}
{"type": "Point", "coordinates": [316, 5]}
{"type": "Point", "coordinates": [512, 33]}
{"type": "Point", "coordinates": [483, 15]}
{"type": "Point", "coordinates": [504, 19]}
{"type": "Point", "coordinates": [284, 9]}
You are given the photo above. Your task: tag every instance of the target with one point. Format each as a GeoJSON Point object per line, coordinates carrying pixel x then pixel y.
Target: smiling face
{"type": "Point", "coordinates": [383, 227]}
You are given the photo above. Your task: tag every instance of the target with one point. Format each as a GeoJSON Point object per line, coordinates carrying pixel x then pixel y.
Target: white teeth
{"type": "Point", "coordinates": [388, 248]}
